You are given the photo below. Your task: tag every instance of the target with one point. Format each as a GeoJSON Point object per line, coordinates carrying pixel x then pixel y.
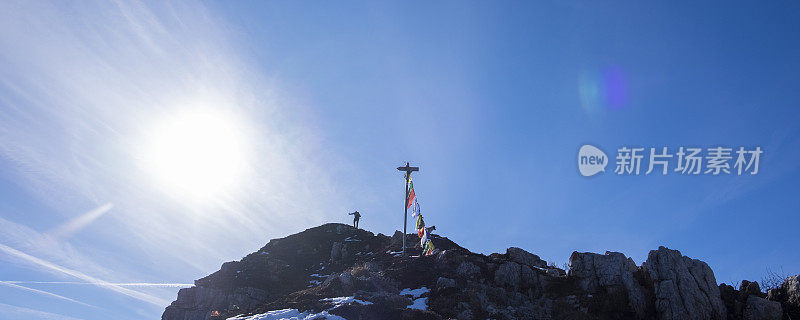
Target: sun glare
{"type": "Point", "coordinates": [200, 155]}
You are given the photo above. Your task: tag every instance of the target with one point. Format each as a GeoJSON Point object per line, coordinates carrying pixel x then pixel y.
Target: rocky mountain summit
{"type": "Point", "coordinates": [335, 271]}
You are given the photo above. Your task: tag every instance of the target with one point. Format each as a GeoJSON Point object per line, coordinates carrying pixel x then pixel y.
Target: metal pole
{"type": "Point", "coordinates": [405, 211]}
{"type": "Point", "coordinates": [407, 169]}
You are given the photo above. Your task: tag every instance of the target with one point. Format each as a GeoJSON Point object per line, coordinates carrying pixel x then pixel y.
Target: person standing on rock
{"type": "Point", "coordinates": [356, 217]}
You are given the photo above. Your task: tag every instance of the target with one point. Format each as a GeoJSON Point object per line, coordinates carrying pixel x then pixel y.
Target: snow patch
{"type": "Point", "coordinates": [289, 314]}
{"type": "Point", "coordinates": [338, 301]}
{"type": "Point", "coordinates": [419, 304]}
{"type": "Point", "coordinates": [312, 283]}
{"type": "Point", "coordinates": [415, 293]}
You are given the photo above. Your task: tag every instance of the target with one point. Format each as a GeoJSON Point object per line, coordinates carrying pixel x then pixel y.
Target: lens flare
{"type": "Point", "coordinates": [607, 89]}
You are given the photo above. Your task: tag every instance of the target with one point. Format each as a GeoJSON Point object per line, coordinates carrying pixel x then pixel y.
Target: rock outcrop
{"type": "Point", "coordinates": [684, 288]}
{"type": "Point", "coordinates": [611, 274]}
{"type": "Point", "coordinates": [757, 308]}
{"type": "Point", "coordinates": [788, 294]}
{"type": "Point", "coordinates": [337, 270]}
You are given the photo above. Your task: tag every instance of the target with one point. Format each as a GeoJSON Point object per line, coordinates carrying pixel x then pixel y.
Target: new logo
{"type": "Point", "coordinates": [591, 160]}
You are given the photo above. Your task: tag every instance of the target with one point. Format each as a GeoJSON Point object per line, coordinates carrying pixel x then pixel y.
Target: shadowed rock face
{"type": "Point", "coordinates": [610, 274]}
{"type": "Point", "coordinates": [303, 271]}
{"type": "Point", "coordinates": [685, 288]}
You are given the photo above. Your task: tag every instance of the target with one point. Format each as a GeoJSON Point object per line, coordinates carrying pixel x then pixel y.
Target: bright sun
{"type": "Point", "coordinates": [197, 154]}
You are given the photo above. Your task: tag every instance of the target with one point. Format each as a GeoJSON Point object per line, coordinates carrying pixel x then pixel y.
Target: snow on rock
{"type": "Point", "coordinates": [312, 283]}
{"type": "Point", "coordinates": [289, 314]}
{"type": "Point", "coordinates": [415, 293]}
{"type": "Point", "coordinates": [346, 300]}
{"type": "Point", "coordinates": [419, 304]}
{"type": "Point", "coordinates": [515, 285]}
{"type": "Point", "coordinates": [294, 314]}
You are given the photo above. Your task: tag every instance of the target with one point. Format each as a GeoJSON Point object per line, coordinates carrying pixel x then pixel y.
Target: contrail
{"type": "Point", "coordinates": [9, 310]}
{"type": "Point", "coordinates": [124, 284]}
{"type": "Point", "coordinates": [70, 227]}
{"type": "Point", "coordinates": [12, 285]}
{"type": "Point", "coordinates": [77, 274]}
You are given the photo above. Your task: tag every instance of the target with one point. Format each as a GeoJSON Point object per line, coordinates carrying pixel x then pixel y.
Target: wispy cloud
{"type": "Point", "coordinates": [81, 93]}
{"type": "Point", "coordinates": [76, 224]}
{"type": "Point", "coordinates": [51, 266]}
{"type": "Point", "coordinates": [17, 312]}
{"type": "Point", "coordinates": [42, 292]}
{"type": "Point", "coordinates": [121, 284]}
{"type": "Point", "coordinates": [78, 106]}
{"type": "Point", "coordinates": [26, 239]}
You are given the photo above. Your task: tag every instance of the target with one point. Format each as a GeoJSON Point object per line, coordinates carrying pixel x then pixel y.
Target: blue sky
{"type": "Point", "coordinates": [320, 102]}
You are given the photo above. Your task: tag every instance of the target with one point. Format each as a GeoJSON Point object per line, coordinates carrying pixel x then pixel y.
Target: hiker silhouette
{"type": "Point", "coordinates": [356, 217]}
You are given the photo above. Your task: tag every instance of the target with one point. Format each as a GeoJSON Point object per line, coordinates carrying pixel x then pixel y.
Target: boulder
{"type": "Point", "coordinates": [444, 283]}
{"type": "Point", "coordinates": [684, 288]}
{"type": "Point", "coordinates": [199, 302]}
{"type": "Point", "coordinates": [524, 258]}
{"type": "Point", "coordinates": [448, 259]}
{"type": "Point", "coordinates": [789, 295]}
{"type": "Point", "coordinates": [747, 288]}
{"type": "Point", "coordinates": [758, 308]}
{"type": "Point", "coordinates": [467, 269]}
{"type": "Point", "coordinates": [791, 288]}
{"type": "Point", "coordinates": [611, 273]}
{"type": "Point", "coordinates": [338, 251]}
{"type": "Point", "coordinates": [732, 301]}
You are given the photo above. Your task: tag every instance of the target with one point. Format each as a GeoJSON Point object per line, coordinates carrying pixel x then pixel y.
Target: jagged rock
{"type": "Point", "coordinates": [397, 240]}
{"type": "Point", "coordinates": [762, 309]}
{"type": "Point", "coordinates": [466, 269]}
{"type": "Point", "coordinates": [508, 274]}
{"type": "Point", "coordinates": [449, 259]}
{"type": "Point", "coordinates": [528, 277]}
{"type": "Point", "coordinates": [371, 266]}
{"type": "Point", "coordinates": [366, 275]}
{"type": "Point", "coordinates": [555, 272]}
{"type": "Point", "coordinates": [747, 288]}
{"type": "Point", "coordinates": [336, 251]}
{"type": "Point", "coordinates": [443, 283]}
{"type": "Point", "coordinates": [788, 294]}
{"type": "Point", "coordinates": [199, 302]}
{"type": "Point", "coordinates": [791, 288]}
{"type": "Point", "coordinates": [733, 302]}
{"type": "Point", "coordinates": [684, 288]}
{"type": "Point", "coordinates": [611, 273]}
{"type": "Point", "coordinates": [524, 257]}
